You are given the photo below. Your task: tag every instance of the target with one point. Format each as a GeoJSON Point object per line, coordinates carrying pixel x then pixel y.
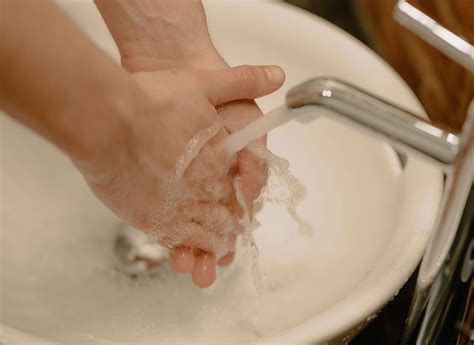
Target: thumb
{"type": "Point", "coordinates": [242, 82]}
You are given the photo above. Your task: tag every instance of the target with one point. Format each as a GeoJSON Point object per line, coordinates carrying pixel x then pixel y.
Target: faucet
{"type": "Point", "coordinates": [408, 134]}
{"type": "Point", "coordinates": [411, 134]}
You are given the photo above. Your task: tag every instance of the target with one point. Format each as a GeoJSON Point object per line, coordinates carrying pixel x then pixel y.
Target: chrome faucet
{"type": "Point", "coordinates": [404, 130]}
{"type": "Point", "coordinates": [410, 134]}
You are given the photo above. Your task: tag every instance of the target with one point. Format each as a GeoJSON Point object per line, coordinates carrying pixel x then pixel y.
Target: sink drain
{"type": "Point", "coordinates": [136, 254]}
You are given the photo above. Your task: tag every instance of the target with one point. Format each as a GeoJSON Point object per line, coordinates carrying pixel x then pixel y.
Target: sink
{"type": "Point", "coordinates": [371, 216]}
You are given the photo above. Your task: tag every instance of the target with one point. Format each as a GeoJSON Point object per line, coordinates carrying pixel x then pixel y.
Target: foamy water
{"type": "Point", "coordinates": [200, 178]}
{"type": "Point", "coordinates": [282, 186]}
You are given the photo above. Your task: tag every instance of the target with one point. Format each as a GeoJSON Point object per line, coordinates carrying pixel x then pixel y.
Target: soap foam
{"type": "Point", "coordinates": [282, 187]}
{"type": "Point", "coordinates": [175, 195]}
{"type": "Point", "coordinates": [200, 179]}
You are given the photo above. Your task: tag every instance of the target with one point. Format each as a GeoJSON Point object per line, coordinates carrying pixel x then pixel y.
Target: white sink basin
{"type": "Point", "coordinates": [371, 219]}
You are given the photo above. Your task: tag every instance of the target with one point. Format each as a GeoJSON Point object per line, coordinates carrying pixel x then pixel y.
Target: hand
{"type": "Point", "coordinates": [129, 133]}
{"type": "Point", "coordinates": [133, 180]}
{"type": "Point", "coordinates": [157, 35]}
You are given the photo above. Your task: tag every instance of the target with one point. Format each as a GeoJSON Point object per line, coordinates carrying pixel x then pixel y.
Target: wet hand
{"type": "Point", "coordinates": [153, 36]}
{"type": "Point", "coordinates": [133, 176]}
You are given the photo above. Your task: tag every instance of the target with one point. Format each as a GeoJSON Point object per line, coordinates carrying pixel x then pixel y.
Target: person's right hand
{"type": "Point", "coordinates": [159, 35]}
{"type": "Point", "coordinates": [132, 177]}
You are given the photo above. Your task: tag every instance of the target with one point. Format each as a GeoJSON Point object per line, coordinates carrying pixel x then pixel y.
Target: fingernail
{"type": "Point", "coordinates": [275, 74]}
{"type": "Point", "coordinates": [204, 271]}
{"type": "Point", "coordinates": [226, 260]}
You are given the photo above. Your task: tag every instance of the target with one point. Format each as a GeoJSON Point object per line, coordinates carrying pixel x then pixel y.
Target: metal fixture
{"type": "Point", "coordinates": [408, 133]}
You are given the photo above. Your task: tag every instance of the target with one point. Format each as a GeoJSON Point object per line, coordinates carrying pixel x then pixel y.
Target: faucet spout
{"type": "Point", "coordinates": [403, 129]}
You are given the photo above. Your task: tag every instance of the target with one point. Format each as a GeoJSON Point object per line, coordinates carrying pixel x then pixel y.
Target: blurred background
{"type": "Point", "coordinates": [443, 87]}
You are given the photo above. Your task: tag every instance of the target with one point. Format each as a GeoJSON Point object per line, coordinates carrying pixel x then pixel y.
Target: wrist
{"type": "Point", "coordinates": [147, 33]}
{"type": "Point", "coordinates": [210, 59]}
{"type": "Point", "coordinates": [157, 56]}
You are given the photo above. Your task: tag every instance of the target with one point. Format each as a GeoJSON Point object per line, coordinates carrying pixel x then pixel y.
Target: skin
{"type": "Point", "coordinates": [155, 35]}
{"type": "Point", "coordinates": [125, 129]}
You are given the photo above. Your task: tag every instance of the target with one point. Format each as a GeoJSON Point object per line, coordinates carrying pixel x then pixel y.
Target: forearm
{"type": "Point", "coordinates": [57, 82]}
{"type": "Point", "coordinates": [154, 34]}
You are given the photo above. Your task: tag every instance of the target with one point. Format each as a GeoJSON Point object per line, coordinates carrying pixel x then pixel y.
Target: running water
{"type": "Point", "coordinates": [201, 176]}
{"type": "Point", "coordinates": [185, 189]}
{"type": "Point", "coordinates": [177, 193]}
{"type": "Point", "coordinates": [264, 124]}
{"type": "Point", "coordinates": [282, 187]}
{"type": "Point", "coordinates": [257, 129]}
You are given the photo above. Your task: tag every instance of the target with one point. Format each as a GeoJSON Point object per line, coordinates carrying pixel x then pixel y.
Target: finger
{"type": "Point", "coordinates": [242, 82]}
{"type": "Point", "coordinates": [257, 206]}
{"type": "Point", "coordinates": [238, 114]}
{"type": "Point", "coordinates": [207, 241]}
{"type": "Point", "coordinates": [216, 219]}
{"type": "Point", "coordinates": [252, 177]}
{"type": "Point", "coordinates": [204, 270]}
{"type": "Point", "coordinates": [182, 259]}
{"type": "Point", "coordinates": [226, 260]}
{"type": "Point", "coordinates": [253, 174]}
{"type": "Point", "coordinates": [211, 160]}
